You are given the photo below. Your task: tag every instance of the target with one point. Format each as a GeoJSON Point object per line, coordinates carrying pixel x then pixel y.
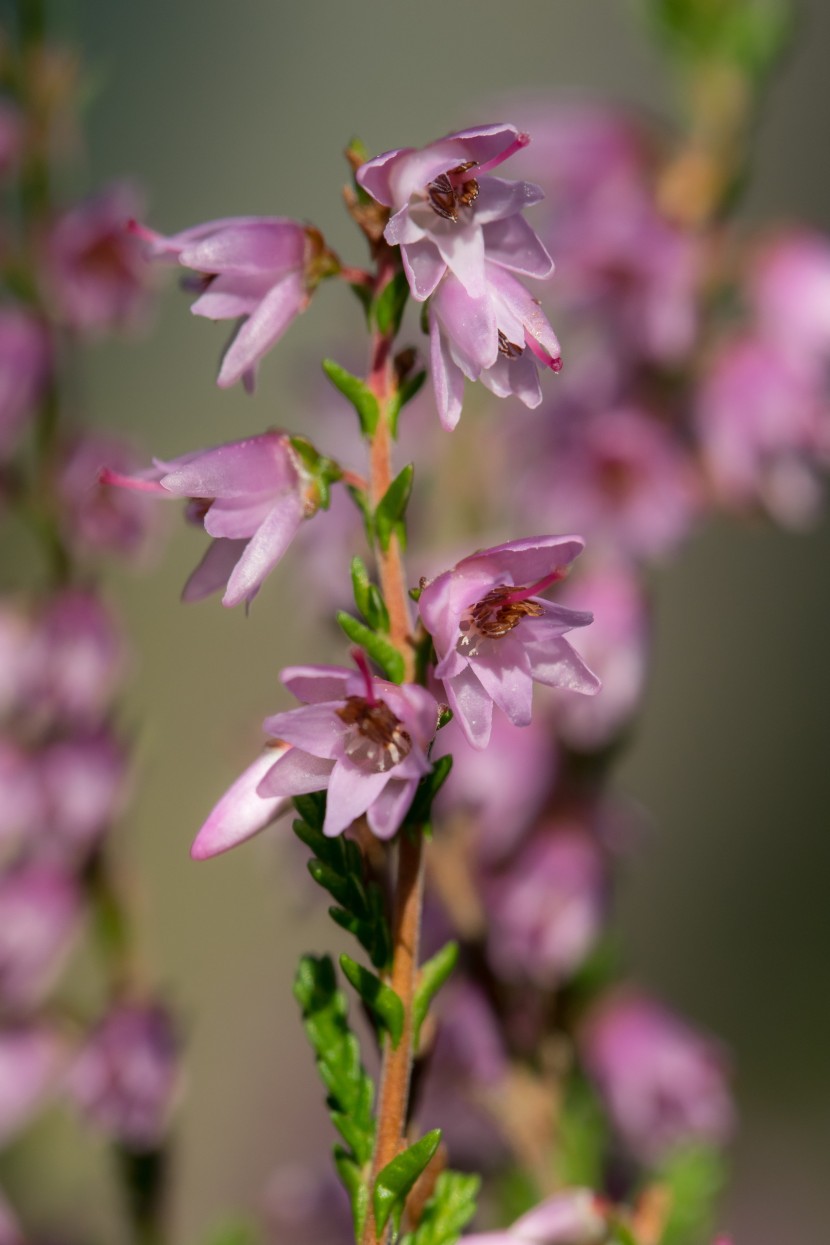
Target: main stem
{"type": "Point", "coordinates": [393, 1097]}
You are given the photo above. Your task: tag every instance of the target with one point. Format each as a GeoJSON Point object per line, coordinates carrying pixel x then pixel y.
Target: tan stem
{"type": "Point", "coordinates": [393, 1099]}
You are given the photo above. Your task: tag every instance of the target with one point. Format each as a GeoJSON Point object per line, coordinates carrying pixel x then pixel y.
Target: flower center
{"type": "Point", "coordinates": [452, 190]}
{"type": "Point", "coordinates": [509, 348]}
{"type": "Point", "coordinates": [494, 616]}
{"type": "Point", "coordinates": [376, 740]}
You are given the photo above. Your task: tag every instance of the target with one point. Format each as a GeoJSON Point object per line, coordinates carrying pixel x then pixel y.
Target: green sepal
{"type": "Point", "coordinates": [367, 597]}
{"type": "Point", "coordinates": [322, 472]}
{"type": "Point", "coordinates": [420, 810]}
{"type": "Point", "coordinates": [431, 978]}
{"type": "Point", "coordinates": [445, 716]}
{"type": "Point", "coordinates": [404, 394]}
{"type": "Point", "coordinates": [395, 1181]}
{"type": "Point", "coordinates": [381, 1000]}
{"type": "Point", "coordinates": [388, 307]}
{"type": "Point", "coordinates": [357, 392]}
{"type": "Point", "coordinates": [357, 153]}
{"type": "Point", "coordinates": [381, 651]}
{"type": "Point", "coordinates": [391, 509]}
{"type": "Point", "coordinates": [448, 1211]}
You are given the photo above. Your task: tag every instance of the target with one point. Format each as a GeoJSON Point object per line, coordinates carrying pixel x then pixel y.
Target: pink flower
{"type": "Point", "coordinates": [125, 1079]}
{"type": "Point", "coordinates": [502, 787]}
{"type": "Point", "coordinates": [22, 810]}
{"type": "Point", "coordinates": [494, 636]}
{"type": "Point", "coordinates": [497, 338]}
{"type": "Point", "coordinates": [571, 1217]}
{"type": "Point", "coordinates": [765, 427]}
{"type": "Point", "coordinates": [242, 811]}
{"type": "Point", "coordinates": [252, 496]}
{"type": "Point", "coordinates": [663, 1082]}
{"type": "Point", "coordinates": [40, 909]}
{"type": "Point", "coordinates": [621, 476]}
{"type": "Point", "coordinates": [94, 263]}
{"type": "Point", "coordinates": [360, 738]}
{"type": "Point", "coordinates": [31, 1059]}
{"type": "Point", "coordinates": [78, 659]}
{"type": "Point", "coordinates": [99, 519]}
{"type": "Point", "coordinates": [448, 213]}
{"type": "Point", "coordinates": [547, 910]}
{"type": "Point", "coordinates": [24, 371]}
{"type": "Point", "coordinates": [789, 287]}
{"type": "Point", "coordinates": [260, 269]}
{"type": "Point", "coordinates": [616, 646]}
{"type": "Point", "coordinates": [84, 787]}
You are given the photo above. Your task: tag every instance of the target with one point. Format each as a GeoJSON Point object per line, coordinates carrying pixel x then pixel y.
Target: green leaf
{"type": "Point", "coordinates": [389, 305]}
{"type": "Point", "coordinates": [367, 597]}
{"type": "Point", "coordinates": [381, 1000]}
{"type": "Point", "coordinates": [431, 978]}
{"type": "Point", "coordinates": [372, 933]}
{"type": "Point", "coordinates": [347, 890]}
{"type": "Point", "coordinates": [312, 808]}
{"type": "Point", "coordinates": [405, 394]}
{"type": "Point", "coordinates": [447, 1212]}
{"type": "Point", "coordinates": [356, 1185]}
{"type": "Point", "coordinates": [357, 392]}
{"type": "Point", "coordinates": [395, 1181]}
{"type": "Point", "coordinates": [378, 648]}
{"type": "Point", "coordinates": [391, 508]}
{"type": "Point", "coordinates": [694, 1176]}
{"type": "Point", "coordinates": [420, 809]}
{"type": "Point", "coordinates": [325, 1020]}
{"type": "Point", "coordinates": [582, 1136]}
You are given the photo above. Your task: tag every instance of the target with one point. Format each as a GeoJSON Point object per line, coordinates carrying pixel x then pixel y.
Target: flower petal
{"type": "Point", "coordinates": [214, 570]}
{"type": "Point", "coordinates": [503, 669]}
{"type": "Point", "coordinates": [264, 550]}
{"type": "Point", "coordinates": [388, 810]}
{"type": "Point", "coordinates": [472, 707]}
{"type": "Point", "coordinates": [498, 198]}
{"type": "Point", "coordinates": [238, 469]}
{"type": "Point", "coordinates": [314, 728]}
{"type": "Point", "coordinates": [513, 244]}
{"type": "Point", "coordinates": [351, 791]}
{"type": "Point", "coordinates": [447, 378]}
{"type": "Point", "coordinates": [424, 267]}
{"type": "Point", "coordinates": [263, 328]}
{"type": "Point", "coordinates": [557, 664]}
{"type": "Point", "coordinates": [242, 812]}
{"type": "Point", "coordinates": [296, 773]}
{"type": "Point", "coordinates": [315, 683]}
{"type": "Point", "coordinates": [274, 244]}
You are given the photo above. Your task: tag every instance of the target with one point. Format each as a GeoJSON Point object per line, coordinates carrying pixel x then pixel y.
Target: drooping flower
{"type": "Point", "coordinates": [360, 738]}
{"type": "Point", "coordinates": [242, 811]}
{"type": "Point", "coordinates": [40, 909]}
{"type": "Point", "coordinates": [494, 635]}
{"type": "Point", "coordinates": [94, 264]}
{"type": "Point", "coordinates": [547, 909]}
{"type": "Point", "coordinates": [24, 370]}
{"type": "Point", "coordinates": [447, 212]}
{"type": "Point", "coordinates": [126, 1076]}
{"type": "Point", "coordinates": [96, 518]}
{"type": "Point", "coordinates": [664, 1083]}
{"type": "Point", "coordinates": [497, 338]}
{"type": "Point", "coordinates": [571, 1217]}
{"type": "Point", "coordinates": [261, 270]}
{"type": "Point", "coordinates": [616, 646]}
{"type": "Point", "coordinates": [765, 426]}
{"type": "Point", "coordinates": [251, 495]}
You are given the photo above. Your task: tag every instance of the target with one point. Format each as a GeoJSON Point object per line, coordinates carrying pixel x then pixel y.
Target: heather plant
{"type": "Point", "coordinates": [451, 781]}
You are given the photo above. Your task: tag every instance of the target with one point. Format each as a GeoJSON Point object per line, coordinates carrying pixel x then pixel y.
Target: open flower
{"type": "Point", "coordinates": [494, 635]}
{"type": "Point", "coordinates": [359, 737]}
{"type": "Point", "coordinates": [252, 496]}
{"type": "Point", "coordinates": [262, 269]}
{"type": "Point", "coordinates": [448, 213]}
{"type": "Point", "coordinates": [497, 338]}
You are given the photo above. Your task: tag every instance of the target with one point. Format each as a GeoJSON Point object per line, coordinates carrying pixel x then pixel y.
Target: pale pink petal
{"type": "Point", "coordinates": [264, 550]}
{"type": "Point", "coordinates": [498, 198]}
{"type": "Point", "coordinates": [388, 810]}
{"type": "Point", "coordinates": [296, 773]}
{"type": "Point", "coordinates": [403, 228]}
{"type": "Point", "coordinates": [557, 664]}
{"type": "Point", "coordinates": [472, 707]}
{"type": "Point", "coordinates": [351, 791]}
{"type": "Point", "coordinates": [214, 570]}
{"type": "Point", "coordinates": [470, 323]}
{"type": "Point", "coordinates": [503, 670]}
{"type": "Point", "coordinates": [424, 267]}
{"type": "Point", "coordinates": [259, 464]}
{"type": "Point", "coordinates": [242, 812]}
{"type": "Point", "coordinates": [237, 519]}
{"type": "Point", "coordinates": [314, 728]}
{"type": "Point", "coordinates": [263, 328]}
{"type": "Point", "coordinates": [447, 378]}
{"type": "Point", "coordinates": [526, 561]}
{"type": "Point", "coordinates": [463, 252]}
{"type": "Point", "coordinates": [514, 244]}
{"type": "Point", "coordinates": [315, 683]}
{"type": "Point", "coordinates": [228, 297]}
{"type": "Point", "coordinates": [275, 245]}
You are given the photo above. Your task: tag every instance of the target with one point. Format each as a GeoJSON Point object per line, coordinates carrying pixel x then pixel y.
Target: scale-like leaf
{"type": "Point", "coordinates": [396, 1179]}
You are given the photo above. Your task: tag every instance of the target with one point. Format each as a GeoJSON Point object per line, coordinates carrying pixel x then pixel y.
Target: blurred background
{"type": "Point", "coordinates": [214, 110]}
